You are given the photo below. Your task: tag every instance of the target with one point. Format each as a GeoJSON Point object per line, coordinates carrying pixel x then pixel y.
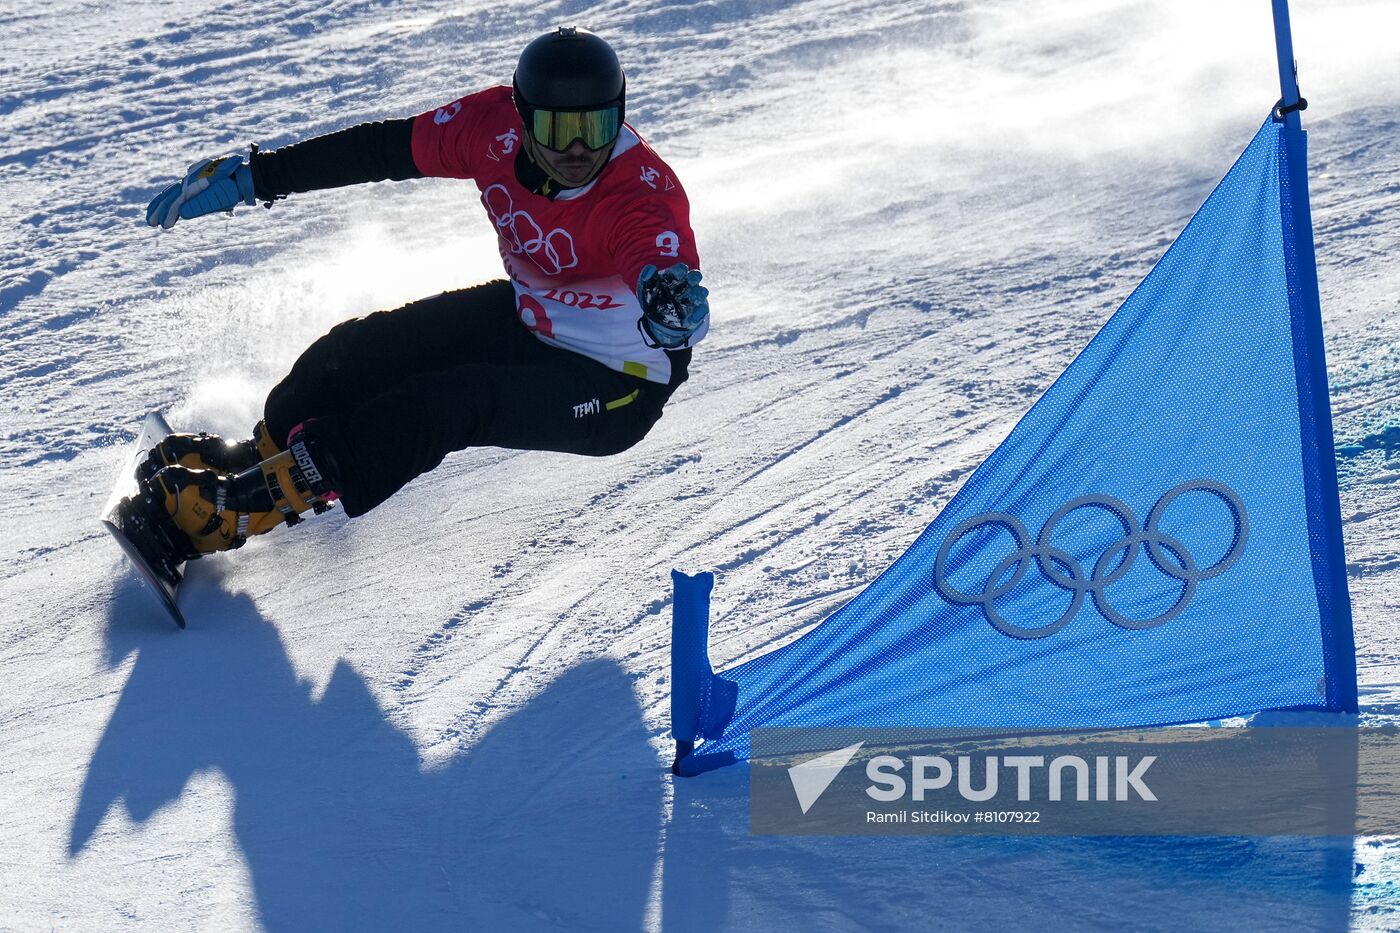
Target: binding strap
{"type": "Point", "coordinates": [217, 519]}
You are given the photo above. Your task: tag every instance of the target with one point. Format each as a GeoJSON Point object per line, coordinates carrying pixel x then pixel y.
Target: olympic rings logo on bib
{"type": "Point", "coordinates": [553, 252]}
{"type": "Point", "coordinates": [1064, 570]}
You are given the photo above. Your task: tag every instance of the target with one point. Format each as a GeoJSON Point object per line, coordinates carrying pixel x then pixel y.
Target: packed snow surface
{"type": "Point", "coordinates": [452, 713]}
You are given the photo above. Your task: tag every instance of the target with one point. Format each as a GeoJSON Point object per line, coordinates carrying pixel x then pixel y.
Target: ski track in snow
{"type": "Point", "coordinates": [453, 712]}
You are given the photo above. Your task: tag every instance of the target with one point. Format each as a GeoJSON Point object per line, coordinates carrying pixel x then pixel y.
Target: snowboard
{"type": "Point", "coordinates": [133, 516]}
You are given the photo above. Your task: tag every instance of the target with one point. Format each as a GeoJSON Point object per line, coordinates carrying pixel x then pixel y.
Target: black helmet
{"type": "Point", "coordinates": [569, 69]}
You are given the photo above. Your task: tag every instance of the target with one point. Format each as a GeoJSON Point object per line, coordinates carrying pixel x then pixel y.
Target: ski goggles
{"type": "Point", "coordinates": [557, 129]}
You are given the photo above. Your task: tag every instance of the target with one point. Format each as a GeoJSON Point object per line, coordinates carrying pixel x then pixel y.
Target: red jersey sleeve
{"type": "Point", "coordinates": [443, 139]}
{"type": "Point", "coordinates": [654, 232]}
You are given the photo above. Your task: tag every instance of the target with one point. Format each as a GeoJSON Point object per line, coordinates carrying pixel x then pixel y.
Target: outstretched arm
{"type": "Point", "coordinates": [363, 153]}
{"type": "Point", "coordinates": [368, 152]}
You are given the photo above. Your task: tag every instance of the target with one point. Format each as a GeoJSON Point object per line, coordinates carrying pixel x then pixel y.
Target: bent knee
{"type": "Point", "coordinates": [625, 434]}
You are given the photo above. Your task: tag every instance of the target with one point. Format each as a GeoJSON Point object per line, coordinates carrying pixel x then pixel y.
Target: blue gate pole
{"type": "Point", "coordinates": [691, 672]}
{"type": "Point", "coordinates": [1315, 409]}
{"type": "Point", "coordinates": [1287, 67]}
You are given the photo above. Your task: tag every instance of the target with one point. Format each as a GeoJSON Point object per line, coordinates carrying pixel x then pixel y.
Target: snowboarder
{"type": "Point", "coordinates": [577, 351]}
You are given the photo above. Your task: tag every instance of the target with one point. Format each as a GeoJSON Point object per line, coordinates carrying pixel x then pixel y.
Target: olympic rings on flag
{"type": "Point", "coordinates": [1065, 571]}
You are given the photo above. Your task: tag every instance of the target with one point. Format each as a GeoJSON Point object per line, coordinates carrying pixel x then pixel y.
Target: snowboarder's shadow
{"type": "Point", "coordinates": [552, 819]}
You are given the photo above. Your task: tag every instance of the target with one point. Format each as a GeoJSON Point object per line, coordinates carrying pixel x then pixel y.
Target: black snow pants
{"type": "Point", "coordinates": [394, 392]}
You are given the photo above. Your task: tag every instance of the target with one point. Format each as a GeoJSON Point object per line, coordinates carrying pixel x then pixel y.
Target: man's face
{"type": "Point", "coordinates": [575, 165]}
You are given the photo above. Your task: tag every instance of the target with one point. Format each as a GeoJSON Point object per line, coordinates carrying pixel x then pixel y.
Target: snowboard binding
{"type": "Point", "coordinates": [143, 517]}
{"type": "Point", "coordinates": [181, 496]}
{"type": "Point", "coordinates": [202, 452]}
{"type": "Point", "coordinates": [145, 523]}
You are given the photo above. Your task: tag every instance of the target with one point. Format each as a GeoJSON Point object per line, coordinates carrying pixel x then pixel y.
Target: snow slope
{"type": "Point", "coordinates": [451, 713]}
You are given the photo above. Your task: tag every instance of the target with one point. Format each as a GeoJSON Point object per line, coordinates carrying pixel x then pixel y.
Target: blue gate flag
{"type": "Point", "coordinates": [1157, 541]}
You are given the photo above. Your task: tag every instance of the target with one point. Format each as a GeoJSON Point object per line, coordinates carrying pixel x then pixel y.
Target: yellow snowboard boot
{"type": "Point", "coordinates": [218, 511]}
